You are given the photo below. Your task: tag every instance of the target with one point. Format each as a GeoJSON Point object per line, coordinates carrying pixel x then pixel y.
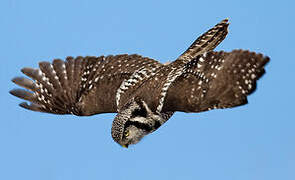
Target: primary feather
{"type": "Point", "coordinates": [144, 92]}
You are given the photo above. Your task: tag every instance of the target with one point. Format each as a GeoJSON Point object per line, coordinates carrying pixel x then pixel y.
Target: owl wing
{"type": "Point", "coordinates": [215, 80]}
{"type": "Point", "coordinates": [80, 86]}
{"type": "Point", "coordinates": [206, 42]}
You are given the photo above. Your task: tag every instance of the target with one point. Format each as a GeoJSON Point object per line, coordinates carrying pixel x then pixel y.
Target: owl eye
{"type": "Point", "coordinates": [126, 134]}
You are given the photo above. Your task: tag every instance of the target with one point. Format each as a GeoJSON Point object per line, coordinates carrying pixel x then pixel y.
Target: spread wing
{"type": "Point", "coordinates": [215, 80]}
{"type": "Point", "coordinates": [159, 81]}
{"type": "Point", "coordinates": [206, 42]}
{"type": "Point", "coordinates": [80, 86]}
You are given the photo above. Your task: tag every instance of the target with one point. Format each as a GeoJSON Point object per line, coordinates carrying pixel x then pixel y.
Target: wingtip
{"type": "Point", "coordinates": [28, 71]}
{"type": "Point", "coordinates": [16, 92]}
{"type": "Point", "coordinates": [17, 79]}
{"type": "Point", "coordinates": [24, 105]}
{"type": "Point", "coordinates": [12, 92]}
{"type": "Point", "coordinates": [32, 107]}
{"type": "Point", "coordinates": [23, 94]}
{"type": "Point", "coordinates": [25, 69]}
{"type": "Point", "coordinates": [225, 21]}
{"type": "Point", "coordinates": [266, 60]}
{"type": "Point", "coordinates": [24, 82]}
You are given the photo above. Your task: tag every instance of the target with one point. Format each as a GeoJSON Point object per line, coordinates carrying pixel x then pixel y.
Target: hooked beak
{"type": "Point", "coordinates": [125, 145]}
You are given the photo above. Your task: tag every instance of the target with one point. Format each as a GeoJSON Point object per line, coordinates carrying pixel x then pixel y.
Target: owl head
{"type": "Point", "coordinates": [133, 122]}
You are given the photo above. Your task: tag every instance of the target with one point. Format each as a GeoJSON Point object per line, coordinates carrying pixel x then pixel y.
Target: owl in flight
{"type": "Point", "coordinates": [144, 92]}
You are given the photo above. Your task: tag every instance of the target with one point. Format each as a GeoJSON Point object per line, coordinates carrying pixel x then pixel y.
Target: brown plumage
{"type": "Point", "coordinates": [144, 92]}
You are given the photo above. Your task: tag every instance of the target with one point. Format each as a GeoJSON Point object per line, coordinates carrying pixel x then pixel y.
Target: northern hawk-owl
{"type": "Point", "coordinates": [144, 92]}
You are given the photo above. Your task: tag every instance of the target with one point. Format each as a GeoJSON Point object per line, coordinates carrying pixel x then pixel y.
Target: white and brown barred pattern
{"type": "Point", "coordinates": [81, 85]}
{"type": "Point", "coordinates": [198, 80]}
{"type": "Point", "coordinates": [215, 80]}
{"type": "Point", "coordinates": [130, 85]}
{"type": "Point", "coordinates": [203, 44]}
{"type": "Point", "coordinates": [206, 42]}
{"type": "Point", "coordinates": [212, 80]}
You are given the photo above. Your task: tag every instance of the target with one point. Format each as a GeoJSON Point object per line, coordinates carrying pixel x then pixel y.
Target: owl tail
{"type": "Point", "coordinates": [54, 88]}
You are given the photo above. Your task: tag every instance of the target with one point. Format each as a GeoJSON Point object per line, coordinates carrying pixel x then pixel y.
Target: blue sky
{"type": "Point", "coordinates": [255, 141]}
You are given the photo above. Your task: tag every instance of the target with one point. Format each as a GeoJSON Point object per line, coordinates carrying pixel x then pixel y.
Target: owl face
{"type": "Point", "coordinates": [133, 122]}
{"type": "Point", "coordinates": [132, 135]}
{"type": "Point", "coordinates": [200, 79]}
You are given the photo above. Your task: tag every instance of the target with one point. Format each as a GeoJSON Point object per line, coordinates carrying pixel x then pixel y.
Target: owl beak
{"type": "Point", "coordinates": [125, 145]}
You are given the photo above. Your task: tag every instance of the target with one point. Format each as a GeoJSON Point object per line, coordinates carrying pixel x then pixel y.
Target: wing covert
{"type": "Point", "coordinates": [206, 42]}
{"type": "Point", "coordinates": [80, 86]}
{"type": "Point", "coordinates": [216, 80]}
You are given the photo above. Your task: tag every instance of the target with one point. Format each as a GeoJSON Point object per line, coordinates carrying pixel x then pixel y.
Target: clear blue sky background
{"type": "Point", "coordinates": [254, 142]}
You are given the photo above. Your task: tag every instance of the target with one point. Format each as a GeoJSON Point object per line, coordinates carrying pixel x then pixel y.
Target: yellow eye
{"type": "Point", "coordinates": [126, 133]}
